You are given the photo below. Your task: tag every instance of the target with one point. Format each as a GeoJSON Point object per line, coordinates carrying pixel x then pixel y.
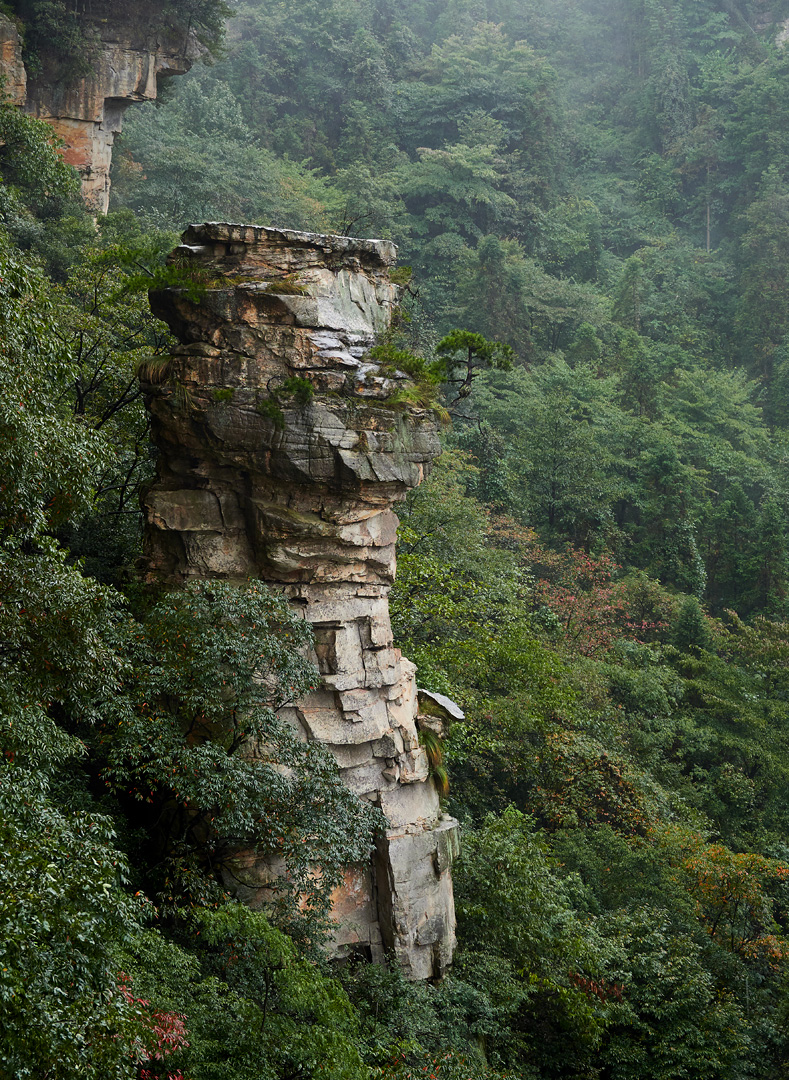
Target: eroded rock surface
{"type": "Point", "coordinates": [136, 44]}
{"type": "Point", "coordinates": [294, 483]}
{"type": "Point", "coordinates": [11, 65]}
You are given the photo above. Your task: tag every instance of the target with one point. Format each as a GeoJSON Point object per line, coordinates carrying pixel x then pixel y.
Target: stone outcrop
{"type": "Point", "coordinates": [282, 453]}
{"type": "Point", "coordinates": [136, 44]}
{"type": "Point", "coordinates": [11, 66]}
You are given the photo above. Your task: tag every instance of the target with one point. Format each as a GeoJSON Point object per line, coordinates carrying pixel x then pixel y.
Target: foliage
{"type": "Point", "coordinates": [63, 902]}
{"type": "Point", "coordinates": [676, 905]}
{"type": "Point", "coordinates": [597, 570]}
{"type": "Point", "coordinates": [253, 1005]}
{"type": "Point", "coordinates": [300, 389]}
{"type": "Point", "coordinates": [269, 408]}
{"type": "Point", "coordinates": [592, 608]}
{"type": "Point", "coordinates": [189, 179]}
{"type": "Point", "coordinates": [730, 890]}
{"type": "Point", "coordinates": [464, 355]}
{"type": "Point", "coordinates": [197, 739]}
{"type": "Point", "coordinates": [104, 318]}
{"type": "Point", "coordinates": [508, 898]}
{"type": "Point", "coordinates": [63, 909]}
{"type": "Point", "coordinates": [40, 206]}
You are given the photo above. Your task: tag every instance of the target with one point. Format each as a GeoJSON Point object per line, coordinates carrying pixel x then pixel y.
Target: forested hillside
{"type": "Point", "coordinates": [597, 570]}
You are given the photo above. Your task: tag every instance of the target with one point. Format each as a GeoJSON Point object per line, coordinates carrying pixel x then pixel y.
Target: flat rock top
{"type": "Point", "coordinates": [373, 252]}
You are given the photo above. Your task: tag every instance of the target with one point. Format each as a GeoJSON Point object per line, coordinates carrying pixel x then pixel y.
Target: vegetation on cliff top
{"type": "Point", "coordinates": [62, 40]}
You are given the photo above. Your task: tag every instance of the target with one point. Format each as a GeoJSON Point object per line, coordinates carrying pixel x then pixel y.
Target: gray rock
{"type": "Point", "coordinates": [430, 701]}
{"type": "Point", "coordinates": [305, 504]}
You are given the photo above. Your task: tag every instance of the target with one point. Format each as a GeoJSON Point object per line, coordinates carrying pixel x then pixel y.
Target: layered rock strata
{"type": "Point", "coordinates": [281, 456]}
{"type": "Point", "coordinates": [136, 44]}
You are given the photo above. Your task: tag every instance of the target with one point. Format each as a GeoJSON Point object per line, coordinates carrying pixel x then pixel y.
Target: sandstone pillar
{"type": "Point", "coordinates": [281, 456]}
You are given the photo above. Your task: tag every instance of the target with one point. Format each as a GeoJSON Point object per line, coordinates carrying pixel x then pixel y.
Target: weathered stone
{"type": "Point", "coordinates": [411, 803]}
{"type": "Point", "coordinates": [11, 65]}
{"type": "Point", "coordinates": [417, 912]}
{"type": "Point", "coordinates": [366, 778]}
{"type": "Point", "coordinates": [137, 45]}
{"type": "Point", "coordinates": [355, 916]}
{"type": "Point", "coordinates": [307, 507]}
{"type": "Point", "coordinates": [185, 511]}
{"type": "Point", "coordinates": [439, 704]}
{"type": "Point", "coordinates": [447, 849]}
{"type": "Point", "coordinates": [350, 756]}
{"type": "Point", "coordinates": [216, 554]}
{"type": "Point", "coordinates": [390, 746]}
{"type": "Point", "coordinates": [335, 729]}
{"type": "Point", "coordinates": [437, 712]}
{"type": "Point", "coordinates": [414, 766]}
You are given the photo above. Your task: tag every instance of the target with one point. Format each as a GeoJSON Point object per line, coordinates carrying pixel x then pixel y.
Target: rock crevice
{"type": "Point", "coordinates": [281, 457]}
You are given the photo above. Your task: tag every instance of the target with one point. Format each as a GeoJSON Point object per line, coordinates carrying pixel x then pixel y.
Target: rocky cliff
{"type": "Point", "coordinates": [135, 45]}
{"type": "Point", "coordinates": [281, 456]}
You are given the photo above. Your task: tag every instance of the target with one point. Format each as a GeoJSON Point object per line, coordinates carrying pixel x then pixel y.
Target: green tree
{"type": "Point", "coordinates": [251, 1003]}
{"type": "Point", "coordinates": [40, 207]}
{"type": "Point", "coordinates": [64, 916]}
{"type": "Point", "coordinates": [690, 627]}
{"type": "Point", "coordinates": [480, 70]}
{"type": "Point", "coordinates": [509, 899]}
{"type": "Point", "coordinates": [103, 318]}
{"type": "Point", "coordinates": [631, 293]}
{"type": "Point", "coordinates": [456, 190]}
{"type": "Point", "coordinates": [491, 290]}
{"type": "Point", "coordinates": [464, 355]}
{"type": "Point", "coordinates": [673, 1022]}
{"type": "Point", "coordinates": [197, 741]}
{"type": "Point", "coordinates": [62, 905]}
{"type": "Point", "coordinates": [175, 160]}
{"type": "Point", "coordinates": [557, 420]}
{"type": "Point", "coordinates": [764, 285]}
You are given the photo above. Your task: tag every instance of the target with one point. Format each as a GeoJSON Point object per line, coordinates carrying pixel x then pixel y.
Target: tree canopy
{"type": "Point", "coordinates": [590, 203]}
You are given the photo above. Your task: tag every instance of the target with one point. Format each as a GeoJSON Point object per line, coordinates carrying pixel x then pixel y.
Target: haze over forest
{"type": "Point", "coordinates": [596, 570]}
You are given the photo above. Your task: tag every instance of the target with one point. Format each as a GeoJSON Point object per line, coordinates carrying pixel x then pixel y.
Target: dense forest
{"type": "Point", "coordinates": [597, 569]}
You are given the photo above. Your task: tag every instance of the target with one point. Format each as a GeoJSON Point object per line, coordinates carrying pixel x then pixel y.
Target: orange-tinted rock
{"type": "Point", "coordinates": [137, 45]}
{"type": "Point", "coordinates": [11, 66]}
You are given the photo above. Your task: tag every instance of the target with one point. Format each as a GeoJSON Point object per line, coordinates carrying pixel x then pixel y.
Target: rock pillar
{"type": "Point", "coordinates": [135, 45]}
{"type": "Point", "coordinates": [282, 452]}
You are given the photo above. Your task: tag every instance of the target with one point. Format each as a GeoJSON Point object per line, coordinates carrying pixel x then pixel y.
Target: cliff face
{"type": "Point", "coordinates": [136, 44]}
{"type": "Point", "coordinates": [11, 65]}
{"type": "Point", "coordinates": [281, 459]}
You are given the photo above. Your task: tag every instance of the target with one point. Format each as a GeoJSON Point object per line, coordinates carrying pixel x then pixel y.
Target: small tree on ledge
{"type": "Point", "coordinates": [464, 355]}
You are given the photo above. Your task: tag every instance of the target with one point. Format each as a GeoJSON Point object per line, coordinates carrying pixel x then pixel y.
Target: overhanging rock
{"type": "Point", "coordinates": [134, 46]}
{"type": "Point", "coordinates": [293, 483]}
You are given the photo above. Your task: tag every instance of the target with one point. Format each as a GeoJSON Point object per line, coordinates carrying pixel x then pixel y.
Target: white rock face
{"type": "Point", "coordinates": [253, 482]}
